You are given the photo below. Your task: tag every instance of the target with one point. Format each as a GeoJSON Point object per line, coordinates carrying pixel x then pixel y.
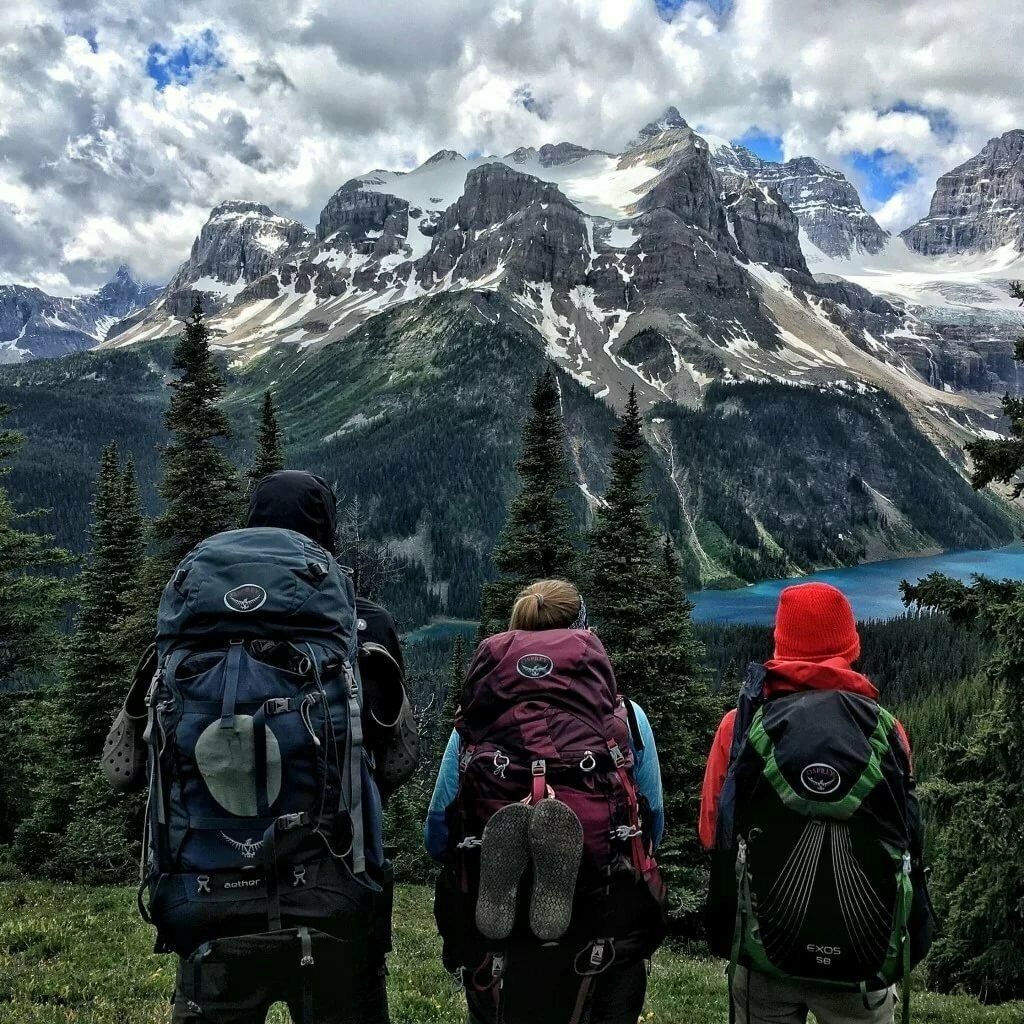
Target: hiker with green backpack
{"type": "Point", "coordinates": [818, 887]}
{"type": "Point", "coordinates": [266, 723]}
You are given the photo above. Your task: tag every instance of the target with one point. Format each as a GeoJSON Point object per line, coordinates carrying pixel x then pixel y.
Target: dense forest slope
{"type": "Point", "coordinates": [418, 413]}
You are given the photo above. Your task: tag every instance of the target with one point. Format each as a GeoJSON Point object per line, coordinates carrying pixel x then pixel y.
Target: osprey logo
{"type": "Point", "coordinates": [535, 666]}
{"type": "Point", "coordinates": [246, 598]}
{"type": "Point", "coordinates": [248, 849]}
{"type": "Point", "coordinates": [820, 779]}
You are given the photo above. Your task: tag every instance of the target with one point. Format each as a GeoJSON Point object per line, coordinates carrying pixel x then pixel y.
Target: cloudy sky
{"type": "Point", "coordinates": [123, 121]}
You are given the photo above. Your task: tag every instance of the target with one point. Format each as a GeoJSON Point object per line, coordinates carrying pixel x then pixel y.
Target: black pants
{"type": "Point", "coordinates": [545, 991]}
{"type": "Point", "coordinates": [239, 979]}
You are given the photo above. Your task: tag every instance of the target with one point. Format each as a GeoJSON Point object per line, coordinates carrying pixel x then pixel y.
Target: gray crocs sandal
{"type": "Point", "coordinates": [124, 750]}
{"type": "Point", "coordinates": [397, 762]}
{"type": "Point", "coordinates": [556, 845]}
{"type": "Point", "coordinates": [504, 854]}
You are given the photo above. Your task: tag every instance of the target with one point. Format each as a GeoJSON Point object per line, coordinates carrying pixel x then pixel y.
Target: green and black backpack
{"type": "Point", "coordinates": [817, 870]}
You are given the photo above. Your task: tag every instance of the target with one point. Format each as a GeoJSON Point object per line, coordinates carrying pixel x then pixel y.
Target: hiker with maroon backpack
{"type": "Point", "coordinates": [818, 886]}
{"type": "Point", "coordinates": [546, 815]}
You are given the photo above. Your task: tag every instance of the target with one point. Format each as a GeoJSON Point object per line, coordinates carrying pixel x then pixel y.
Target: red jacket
{"type": "Point", "coordinates": [783, 677]}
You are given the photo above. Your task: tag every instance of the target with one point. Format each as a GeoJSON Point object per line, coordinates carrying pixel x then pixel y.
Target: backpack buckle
{"type": "Point", "coordinates": [277, 705]}
{"type": "Point", "coordinates": [290, 821]}
{"type": "Point", "coordinates": [617, 755]}
{"type": "Point", "coordinates": [538, 767]}
{"type": "Point", "coordinates": [624, 832]}
{"type": "Point", "coordinates": [498, 968]}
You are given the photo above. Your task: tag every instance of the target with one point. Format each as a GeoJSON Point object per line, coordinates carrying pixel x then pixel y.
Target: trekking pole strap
{"type": "Point", "coordinates": [354, 772]}
{"type": "Point", "coordinates": [306, 963]}
{"type": "Point", "coordinates": [582, 998]}
{"type": "Point", "coordinates": [739, 927]}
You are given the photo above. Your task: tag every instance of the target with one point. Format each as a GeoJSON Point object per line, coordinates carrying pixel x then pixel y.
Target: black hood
{"type": "Point", "coordinates": [293, 499]}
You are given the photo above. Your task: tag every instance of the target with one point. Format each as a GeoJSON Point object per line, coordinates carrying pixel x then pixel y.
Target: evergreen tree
{"type": "Point", "coordinates": [536, 540]}
{"type": "Point", "coordinates": [456, 676]}
{"type": "Point", "coordinates": [269, 447]}
{"type": "Point", "coordinates": [635, 595]}
{"type": "Point", "coordinates": [978, 794]}
{"type": "Point", "coordinates": [78, 828]}
{"type": "Point", "coordinates": [200, 486]}
{"type": "Point", "coordinates": [33, 597]}
{"type": "Point", "coordinates": [32, 593]}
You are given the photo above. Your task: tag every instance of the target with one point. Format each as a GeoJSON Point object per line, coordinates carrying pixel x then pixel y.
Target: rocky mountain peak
{"type": "Point", "coordinates": [443, 156]}
{"type": "Point", "coordinates": [827, 205]}
{"type": "Point", "coordinates": [233, 207]}
{"type": "Point", "coordinates": [670, 120]}
{"type": "Point", "coordinates": [977, 206]}
{"type": "Point", "coordinates": [240, 242]}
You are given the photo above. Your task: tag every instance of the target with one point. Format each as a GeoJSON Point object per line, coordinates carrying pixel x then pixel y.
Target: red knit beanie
{"type": "Point", "coordinates": [814, 622]}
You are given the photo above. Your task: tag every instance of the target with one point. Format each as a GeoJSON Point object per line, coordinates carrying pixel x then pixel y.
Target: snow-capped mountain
{"type": "Point", "coordinates": [825, 202]}
{"type": "Point", "coordinates": [36, 325]}
{"type": "Point", "coordinates": [665, 267]}
{"type": "Point", "coordinates": [978, 206]}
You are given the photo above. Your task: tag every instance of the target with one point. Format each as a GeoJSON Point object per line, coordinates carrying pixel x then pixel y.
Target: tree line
{"type": "Point", "coordinates": [58, 820]}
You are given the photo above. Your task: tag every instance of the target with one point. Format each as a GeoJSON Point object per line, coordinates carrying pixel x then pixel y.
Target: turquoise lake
{"type": "Point", "coordinates": [873, 588]}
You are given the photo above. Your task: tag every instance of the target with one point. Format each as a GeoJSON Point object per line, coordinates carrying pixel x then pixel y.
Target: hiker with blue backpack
{"type": "Point", "coordinates": [546, 815]}
{"type": "Point", "coordinates": [818, 887]}
{"type": "Point", "coordinates": [265, 724]}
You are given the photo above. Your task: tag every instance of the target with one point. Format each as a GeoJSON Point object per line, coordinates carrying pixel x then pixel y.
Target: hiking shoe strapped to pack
{"type": "Point", "coordinates": [556, 849]}
{"type": "Point", "coordinates": [504, 854]}
{"type": "Point", "coordinates": [540, 716]}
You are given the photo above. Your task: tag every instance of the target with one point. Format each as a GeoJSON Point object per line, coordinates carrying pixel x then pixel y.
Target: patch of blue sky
{"type": "Point", "coordinates": [940, 121]}
{"type": "Point", "coordinates": [669, 8]}
{"type": "Point", "coordinates": [179, 66]}
{"type": "Point", "coordinates": [883, 173]}
{"type": "Point", "coordinates": [762, 144]}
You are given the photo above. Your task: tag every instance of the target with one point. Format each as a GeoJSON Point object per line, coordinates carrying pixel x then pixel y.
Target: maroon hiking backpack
{"type": "Point", "coordinates": [540, 716]}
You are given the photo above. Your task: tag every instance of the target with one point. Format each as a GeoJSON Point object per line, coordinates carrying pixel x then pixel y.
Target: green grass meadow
{"type": "Point", "coordinates": [77, 955]}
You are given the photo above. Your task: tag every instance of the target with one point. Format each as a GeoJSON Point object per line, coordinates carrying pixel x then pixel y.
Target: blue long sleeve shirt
{"type": "Point", "coordinates": [646, 772]}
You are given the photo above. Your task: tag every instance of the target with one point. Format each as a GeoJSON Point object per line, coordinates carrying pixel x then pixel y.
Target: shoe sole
{"type": "Point", "coordinates": [556, 845]}
{"type": "Point", "coordinates": [504, 854]}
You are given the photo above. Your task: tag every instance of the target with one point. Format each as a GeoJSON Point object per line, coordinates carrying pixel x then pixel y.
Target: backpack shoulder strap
{"type": "Point", "coordinates": [750, 701]}
{"type": "Point", "coordinates": [634, 726]}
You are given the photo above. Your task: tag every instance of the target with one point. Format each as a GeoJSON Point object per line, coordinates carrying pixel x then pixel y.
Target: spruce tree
{"type": "Point", "coordinates": [32, 593]}
{"type": "Point", "coordinates": [976, 798]}
{"type": "Point", "coordinates": [269, 447]}
{"type": "Point", "coordinates": [536, 541]}
{"type": "Point", "coordinates": [635, 596]}
{"type": "Point", "coordinates": [200, 486]}
{"type": "Point", "coordinates": [33, 598]}
{"type": "Point", "coordinates": [456, 676]}
{"type": "Point", "coordinates": [78, 828]}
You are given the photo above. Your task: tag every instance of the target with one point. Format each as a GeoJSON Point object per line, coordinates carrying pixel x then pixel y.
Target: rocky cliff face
{"type": "Point", "coordinates": [240, 242]}
{"type": "Point", "coordinates": [825, 202]}
{"type": "Point", "coordinates": [34, 325]}
{"type": "Point", "coordinates": [664, 268]}
{"type": "Point", "coordinates": [977, 206]}
{"type": "Point", "coordinates": [765, 228]}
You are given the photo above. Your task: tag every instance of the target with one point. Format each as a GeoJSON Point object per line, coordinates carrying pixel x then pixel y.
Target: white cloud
{"type": "Point", "coordinates": [99, 165]}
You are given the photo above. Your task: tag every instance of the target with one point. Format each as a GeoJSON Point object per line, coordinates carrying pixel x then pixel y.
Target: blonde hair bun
{"type": "Point", "coordinates": [545, 604]}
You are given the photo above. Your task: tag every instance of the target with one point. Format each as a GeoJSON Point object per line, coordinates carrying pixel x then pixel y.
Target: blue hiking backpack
{"type": "Point", "coordinates": [262, 812]}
